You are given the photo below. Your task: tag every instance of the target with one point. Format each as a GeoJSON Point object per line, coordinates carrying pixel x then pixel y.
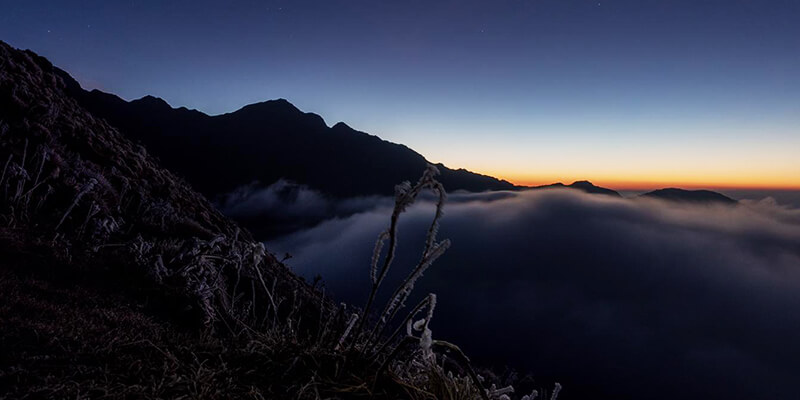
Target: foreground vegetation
{"type": "Point", "coordinates": [119, 281]}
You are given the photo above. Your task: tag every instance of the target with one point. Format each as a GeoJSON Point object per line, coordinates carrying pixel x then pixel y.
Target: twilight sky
{"type": "Point", "coordinates": [626, 93]}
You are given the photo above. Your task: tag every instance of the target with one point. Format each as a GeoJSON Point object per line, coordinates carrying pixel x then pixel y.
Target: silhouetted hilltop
{"type": "Point", "coordinates": [265, 142]}
{"type": "Point", "coordinates": [584, 186]}
{"type": "Point", "coordinates": [690, 196]}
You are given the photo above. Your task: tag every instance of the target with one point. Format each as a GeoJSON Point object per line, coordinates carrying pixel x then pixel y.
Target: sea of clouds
{"type": "Point", "coordinates": [615, 298]}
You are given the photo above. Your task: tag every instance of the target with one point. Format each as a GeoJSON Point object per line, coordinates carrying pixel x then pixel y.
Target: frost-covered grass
{"type": "Point", "coordinates": [120, 281]}
{"type": "Point", "coordinates": [260, 341]}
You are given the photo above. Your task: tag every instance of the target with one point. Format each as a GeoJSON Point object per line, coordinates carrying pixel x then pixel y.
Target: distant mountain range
{"type": "Point", "coordinates": [268, 141]}
{"type": "Point", "coordinates": [273, 140]}
{"type": "Point", "coordinates": [690, 196]}
{"type": "Point", "coordinates": [584, 186]}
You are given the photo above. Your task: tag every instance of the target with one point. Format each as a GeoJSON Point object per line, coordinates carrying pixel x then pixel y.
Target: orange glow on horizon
{"type": "Point", "coordinates": [658, 183]}
{"type": "Point", "coordinates": [769, 165]}
{"type": "Point", "coordinates": [754, 165]}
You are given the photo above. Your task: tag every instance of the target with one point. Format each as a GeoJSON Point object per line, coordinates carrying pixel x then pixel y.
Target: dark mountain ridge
{"type": "Point", "coordinates": [72, 183]}
{"type": "Point", "coordinates": [584, 186]}
{"type": "Point", "coordinates": [265, 142]}
{"type": "Point", "coordinates": [690, 196]}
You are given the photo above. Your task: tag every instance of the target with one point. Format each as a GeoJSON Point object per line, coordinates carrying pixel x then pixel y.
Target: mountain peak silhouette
{"type": "Point", "coordinates": [690, 196]}
{"type": "Point", "coordinates": [152, 101]}
{"type": "Point", "coordinates": [589, 187]}
{"type": "Point", "coordinates": [277, 106]}
{"type": "Point", "coordinates": [265, 142]}
{"type": "Point", "coordinates": [584, 186]}
{"type": "Point", "coordinates": [341, 126]}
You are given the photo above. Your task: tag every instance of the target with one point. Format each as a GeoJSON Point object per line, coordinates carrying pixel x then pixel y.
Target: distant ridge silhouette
{"type": "Point", "coordinates": [265, 142]}
{"type": "Point", "coordinates": [270, 140]}
{"type": "Point", "coordinates": [690, 196]}
{"type": "Point", "coordinates": [584, 186]}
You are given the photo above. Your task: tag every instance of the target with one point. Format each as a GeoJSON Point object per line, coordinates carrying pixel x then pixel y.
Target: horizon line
{"type": "Point", "coordinates": [649, 186]}
{"type": "Point", "coordinates": [623, 185]}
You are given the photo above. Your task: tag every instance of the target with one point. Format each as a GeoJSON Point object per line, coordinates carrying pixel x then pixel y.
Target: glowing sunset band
{"type": "Point", "coordinates": [655, 181]}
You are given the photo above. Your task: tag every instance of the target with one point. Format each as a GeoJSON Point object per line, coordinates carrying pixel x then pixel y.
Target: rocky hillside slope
{"type": "Point", "coordinates": [74, 184]}
{"type": "Point", "coordinates": [120, 281]}
{"type": "Point", "coordinates": [87, 217]}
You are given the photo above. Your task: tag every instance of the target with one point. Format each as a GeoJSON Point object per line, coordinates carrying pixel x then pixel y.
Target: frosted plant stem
{"type": "Point", "coordinates": [405, 195]}
{"type": "Point", "coordinates": [427, 301]}
{"type": "Point", "coordinates": [266, 288]}
{"type": "Point", "coordinates": [3, 176]}
{"type": "Point", "coordinates": [403, 291]}
{"type": "Point", "coordinates": [86, 189]}
{"type": "Point", "coordinates": [556, 390]}
{"type": "Point", "coordinates": [432, 251]}
{"type": "Point", "coordinates": [353, 319]}
{"type": "Point", "coordinates": [24, 153]}
{"type": "Point", "coordinates": [386, 264]}
{"type": "Point", "coordinates": [41, 167]}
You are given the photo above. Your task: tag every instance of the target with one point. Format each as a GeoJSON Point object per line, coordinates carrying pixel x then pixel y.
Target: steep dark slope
{"type": "Point", "coordinates": [265, 142]}
{"type": "Point", "coordinates": [690, 196]}
{"type": "Point", "coordinates": [74, 188]}
{"type": "Point", "coordinates": [119, 281]}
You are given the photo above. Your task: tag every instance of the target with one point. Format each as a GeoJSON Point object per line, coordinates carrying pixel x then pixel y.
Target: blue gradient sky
{"type": "Point", "coordinates": [625, 93]}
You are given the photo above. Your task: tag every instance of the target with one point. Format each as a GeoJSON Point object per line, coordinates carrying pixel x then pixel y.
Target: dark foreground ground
{"type": "Point", "coordinates": [66, 335]}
